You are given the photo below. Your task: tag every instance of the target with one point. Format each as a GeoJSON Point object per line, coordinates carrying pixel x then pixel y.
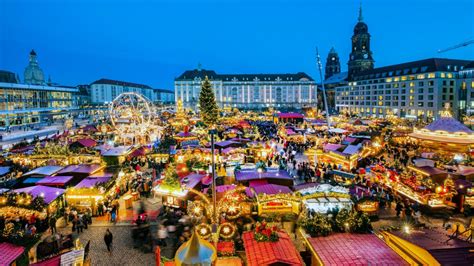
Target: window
{"type": "Point", "coordinates": [420, 104]}
{"type": "Point", "coordinates": [430, 104]}
{"type": "Point", "coordinates": [430, 90]}
{"type": "Point", "coordinates": [445, 90]}
{"type": "Point", "coordinates": [431, 75]}
{"type": "Point", "coordinates": [451, 83]}
{"type": "Point", "coordinates": [420, 90]}
{"type": "Point", "coordinates": [421, 83]}
{"type": "Point", "coordinates": [430, 97]}
{"type": "Point", "coordinates": [420, 97]}
{"type": "Point", "coordinates": [444, 83]}
{"type": "Point", "coordinates": [431, 83]}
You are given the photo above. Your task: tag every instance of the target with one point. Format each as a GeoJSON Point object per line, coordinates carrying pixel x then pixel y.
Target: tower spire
{"type": "Point", "coordinates": [360, 13]}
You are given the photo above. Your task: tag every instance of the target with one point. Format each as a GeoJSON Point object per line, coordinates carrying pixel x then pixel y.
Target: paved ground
{"type": "Point", "coordinates": [123, 252]}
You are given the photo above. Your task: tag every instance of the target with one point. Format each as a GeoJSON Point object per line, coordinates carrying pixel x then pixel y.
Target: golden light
{"type": "Point", "coordinates": [439, 189]}
{"type": "Point", "coordinates": [406, 229]}
{"type": "Point", "coordinates": [346, 225]}
{"type": "Point", "coordinates": [259, 170]}
{"type": "Point", "coordinates": [203, 231]}
{"type": "Point", "coordinates": [197, 209]}
{"type": "Point", "coordinates": [226, 230]}
{"type": "Point", "coordinates": [232, 209]}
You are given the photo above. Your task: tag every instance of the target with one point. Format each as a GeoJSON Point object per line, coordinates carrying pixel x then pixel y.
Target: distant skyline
{"type": "Point", "coordinates": [153, 42]}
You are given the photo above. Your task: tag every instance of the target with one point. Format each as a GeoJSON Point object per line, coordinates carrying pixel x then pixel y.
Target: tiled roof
{"type": "Point", "coordinates": [212, 75]}
{"type": "Point", "coordinates": [415, 67]}
{"type": "Point", "coordinates": [120, 83]}
{"type": "Point", "coordinates": [354, 249]}
{"type": "Point", "coordinates": [267, 253]}
{"type": "Point", "coordinates": [9, 253]}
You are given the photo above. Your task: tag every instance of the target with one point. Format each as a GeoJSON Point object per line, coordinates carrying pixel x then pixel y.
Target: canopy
{"type": "Point", "coordinates": [351, 149]}
{"type": "Point", "coordinates": [89, 182]}
{"type": "Point", "coordinates": [55, 180]}
{"type": "Point", "coordinates": [354, 249]}
{"type": "Point", "coordinates": [4, 170]}
{"type": "Point", "coordinates": [117, 151]}
{"type": "Point", "coordinates": [337, 130]}
{"type": "Point", "coordinates": [9, 253]}
{"type": "Point", "coordinates": [87, 143]}
{"type": "Point", "coordinates": [271, 189]}
{"type": "Point", "coordinates": [48, 193]}
{"type": "Point", "coordinates": [290, 115]}
{"type": "Point", "coordinates": [267, 253]}
{"type": "Point", "coordinates": [246, 175]}
{"type": "Point", "coordinates": [80, 169]}
{"type": "Point", "coordinates": [196, 251]}
{"type": "Point", "coordinates": [44, 170]}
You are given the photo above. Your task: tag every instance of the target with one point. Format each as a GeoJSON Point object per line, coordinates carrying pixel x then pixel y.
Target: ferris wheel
{"type": "Point", "coordinates": [130, 114]}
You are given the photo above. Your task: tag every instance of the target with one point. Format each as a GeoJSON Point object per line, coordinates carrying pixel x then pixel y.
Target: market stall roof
{"type": "Point", "coordinates": [81, 169]}
{"type": "Point", "coordinates": [267, 253]}
{"type": "Point", "coordinates": [31, 180]}
{"type": "Point", "coordinates": [192, 180]}
{"type": "Point", "coordinates": [448, 124]}
{"type": "Point", "coordinates": [142, 151]}
{"type": "Point", "coordinates": [251, 174]}
{"type": "Point", "coordinates": [87, 143]}
{"type": "Point", "coordinates": [304, 185]}
{"type": "Point", "coordinates": [196, 251]}
{"type": "Point", "coordinates": [48, 193]}
{"type": "Point", "coordinates": [428, 170]}
{"type": "Point", "coordinates": [351, 149]}
{"type": "Point", "coordinates": [117, 151]}
{"type": "Point", "coordinates": [227, 143]}
{"type": "Point", "coordinates": [4, 170]}
{"type": "Point", "coordinates": [290, 115]}
{"type": "Point", "coordinates": [44, 171]}
{"type": "Point", "coordinates": [55, 180]}
{"type": "Point", "coordinates": [454, 252]}
{"type": "Point", "coordinates": [354, 249]}
{"type": "Point", "coordinates": [4, 190]}
{"type": "Point", "coordinates": [89, 182]}
{"type": "Point", "coordinates": [269, 189]}
{"type": "Point", "coordinates": [89, 128]}
{"type": "Point", "coordinates": [332, 147]}
{"type": "Point", "coordinates": [184, 134]}
{"type": "Point", "coordinates": [240, 139]}
{"type": "Point", "coordinates": [337, 130]}
{"type": "Point", "coordinates": [10, 253]}
{"type": "Point", "coordinates": [349, 140]}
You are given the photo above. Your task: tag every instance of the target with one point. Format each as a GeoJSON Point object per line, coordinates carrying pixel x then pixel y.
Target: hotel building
{"type": "Point", "coordinates": [248, 91]}
{"type": "Point", "coordinates": [416, 89]}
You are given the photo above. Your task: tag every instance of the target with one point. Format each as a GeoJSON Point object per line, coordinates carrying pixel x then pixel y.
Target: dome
{"type": "Point", "coordinates": [33, 73]}
{"type": "Point", "coordinates": [361, 27]}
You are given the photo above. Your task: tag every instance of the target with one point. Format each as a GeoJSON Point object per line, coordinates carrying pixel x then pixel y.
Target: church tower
{"type": "Point", "coordinates": [360, 58]}
{"type": "Point", "coordinates": [33, 73]}
{"type": "Point", "coordinates": [333, 66]}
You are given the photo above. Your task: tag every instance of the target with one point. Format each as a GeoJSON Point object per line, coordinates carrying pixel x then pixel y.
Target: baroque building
{"type": "Point", "coordinates": [360, 58]}
{"type": "Point", "coordinates": [248, 91]}
{"type": "Point", "coordinates": [33, 73]}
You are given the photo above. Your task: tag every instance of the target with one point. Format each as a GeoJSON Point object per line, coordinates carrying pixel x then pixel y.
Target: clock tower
{"type": "Point", "coordinates": [360, 58]}
{"type": "Point", "coordinates": [333, 66]}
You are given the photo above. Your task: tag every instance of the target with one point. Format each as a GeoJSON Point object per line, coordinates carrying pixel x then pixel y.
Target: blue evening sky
{"type": "Point", "coordinates": [152, 42]}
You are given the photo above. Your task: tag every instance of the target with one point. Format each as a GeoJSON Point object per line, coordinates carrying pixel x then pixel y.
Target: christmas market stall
{"type": "Point", "coordinates": [276, 203]}
{"type": "Point", "coordinates": [268, 246]}
{"type": "Point", "coordinates": [324, 198]}
{"type": "Point", "coordinates": [351, 249]}
{"type": "Point", "coordinates": [10, 254]}
{"type": "Point", "coordinates": [175, 191]}
{"type": "Point", "coordinates": [271, 175]}
{"type": "Point", "coordinates": [90, 191]}
{"type": "Point", "coordinates": [35, 175]}
{"type": "Point", "coordinates": [42, 198]}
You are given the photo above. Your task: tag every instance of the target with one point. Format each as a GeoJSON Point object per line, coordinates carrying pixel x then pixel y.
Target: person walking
{"type": "Point", "coordinates": [398, 208]}
{"type": "Point", "coordinates": [108, 238]}
{"type": "Point", "coordinates": [162, 235]}
{"type": "Point", "coordinates": [52, 225]}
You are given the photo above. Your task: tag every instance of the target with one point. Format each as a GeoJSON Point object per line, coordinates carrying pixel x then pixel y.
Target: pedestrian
{"type": "Point", "coordinates": [108, 238]}
{"type": "Point", "coordinates": [79, 224]}
{"type": "Point", "coordinates": [398, 208]}
{"type": "Point", "coordinates": [52, 225]}
{"type": "Point", "coordinates": [162, 235]}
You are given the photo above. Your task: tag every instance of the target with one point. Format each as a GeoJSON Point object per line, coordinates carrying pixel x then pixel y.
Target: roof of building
{"type": "Point", "coordinates": [290, 115]}
{"type": "Point", "coordinates": [448, 124]}
{"type": "Point", "coordinates": [354, 249]}
{"type": "Point", "coordinates": [44, 170]}
{"type": "Point", "coordinates": [8, 77]}
{"type": "Point", "coordinates": [267, 253]}
{"type": "Point", "coordinates": [89, 182]}
{"type": "Point", "coordinates": [55, 180]}
{"type": "Point", "coordinates": [414, 67]}
{"type": "Point", "coordinates": [251, 174]}
{"type": "Point", "coordinates": [336, 78]}
{"type": "Point", "coordinates": [452, 252]}
{"type": "Point", "coordinates": [87, 143]}
{"type": "Point", "coordinates": [81, 169]}
{"type": "Point", "coordinates": [121, 83]}
{"type": "Point", "coordinates": [48, 193]}
{"type": "Point", "coordinates": [212, 75]}
{"type": "Point", "coordinates": [9, 253]}
{"type": "Point", "coordinates": [269, 189]}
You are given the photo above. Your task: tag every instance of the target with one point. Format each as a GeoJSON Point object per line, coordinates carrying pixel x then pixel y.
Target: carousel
{"type": "Point", "coordinates": [446, 133]}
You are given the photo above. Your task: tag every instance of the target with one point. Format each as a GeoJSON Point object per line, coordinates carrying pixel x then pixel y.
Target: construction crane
{"type": "Point", "coordinates": [456, 46]}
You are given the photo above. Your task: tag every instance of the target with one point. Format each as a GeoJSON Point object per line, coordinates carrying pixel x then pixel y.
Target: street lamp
{"type": "Point", "coordinates": [212, 132]}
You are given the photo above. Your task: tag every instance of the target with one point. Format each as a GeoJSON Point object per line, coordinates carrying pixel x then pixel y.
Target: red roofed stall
{"type": "Point", "coordinates": [10, 253]}
{"type": "Point", "coordinates": [352, 249]}
{"type": "Point", "coordinates": [267, 253]}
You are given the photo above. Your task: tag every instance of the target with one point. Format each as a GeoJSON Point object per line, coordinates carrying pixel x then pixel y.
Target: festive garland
{"type": "Point", "coordinates": [227, 230]}
{"type": "Point", "coordinates": [204, 230]}
{"type": "Point", "coordinates": [264, 234]}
